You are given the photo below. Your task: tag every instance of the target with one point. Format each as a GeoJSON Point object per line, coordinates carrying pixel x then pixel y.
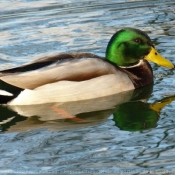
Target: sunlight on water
{"type": "Point", "coordinates": [88, 137]}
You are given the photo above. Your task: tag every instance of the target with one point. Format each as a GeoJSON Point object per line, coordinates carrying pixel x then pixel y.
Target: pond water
{"type": "Point", "coordinates": [100, 136]}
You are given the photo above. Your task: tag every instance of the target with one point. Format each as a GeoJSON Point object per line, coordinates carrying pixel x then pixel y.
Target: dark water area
{"type": "Point", "coordinates": [127, 133]}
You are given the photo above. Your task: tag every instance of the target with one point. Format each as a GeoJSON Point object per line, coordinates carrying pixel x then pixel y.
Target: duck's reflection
{"type": "Point", "coordinates": [129, 110]}
{"type": "Point", "coordinates": [134, 116]}
{"type": "Point", "coordinates": [139, 115]}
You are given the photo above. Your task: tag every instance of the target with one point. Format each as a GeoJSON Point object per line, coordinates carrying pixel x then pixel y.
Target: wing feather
{"type": "Point", "coordinates": [71, 67]}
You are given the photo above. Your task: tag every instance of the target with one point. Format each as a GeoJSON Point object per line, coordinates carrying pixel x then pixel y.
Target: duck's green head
{"type": "Point", "coordinates": [128, 46]}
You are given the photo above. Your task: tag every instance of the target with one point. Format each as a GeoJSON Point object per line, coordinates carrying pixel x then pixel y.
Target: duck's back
{"type": "Point", "coordinates": [66, 77]}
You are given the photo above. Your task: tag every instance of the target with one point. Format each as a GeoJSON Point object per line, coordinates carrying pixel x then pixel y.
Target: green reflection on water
{"type": "Point", "coordinates": [136, 116]}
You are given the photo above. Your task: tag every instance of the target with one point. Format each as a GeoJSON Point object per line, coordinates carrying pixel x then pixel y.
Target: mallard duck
{"type": "Point", "coordinates": [80, 76]}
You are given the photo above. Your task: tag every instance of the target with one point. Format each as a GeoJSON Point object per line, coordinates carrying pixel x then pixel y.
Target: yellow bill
{"type": "Point", "coordinates": [160, 105]}
{"type": "Point", "coordinates": [155, 57]}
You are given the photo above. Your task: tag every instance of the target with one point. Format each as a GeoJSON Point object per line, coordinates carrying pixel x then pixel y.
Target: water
{"type": "Point", "coordinates": [41, 140]}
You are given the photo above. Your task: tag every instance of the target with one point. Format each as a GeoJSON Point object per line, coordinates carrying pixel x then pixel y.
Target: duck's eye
{"type": "Point", "coordinates": [137, 40]}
